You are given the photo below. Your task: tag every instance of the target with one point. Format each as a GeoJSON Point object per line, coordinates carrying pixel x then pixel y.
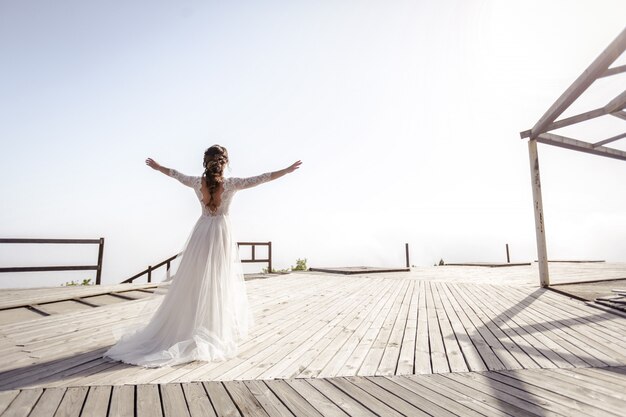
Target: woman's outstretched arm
{"type": "Point", "coordinates": [170, 172]}
{"type": "Point", "coordinates": [155, 165]}
{"type": "Point", "coordinates": [289, 169]}
{"type": "Point", "coordinates": [243, 183]}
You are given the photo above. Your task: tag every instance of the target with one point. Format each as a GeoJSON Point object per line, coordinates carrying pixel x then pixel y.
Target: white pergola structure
{"type": "Point", "coordinates": [540, 132]}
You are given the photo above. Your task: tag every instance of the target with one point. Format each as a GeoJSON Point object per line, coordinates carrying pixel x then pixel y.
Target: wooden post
{"type": "Point", "coordinates": [167, 272]}
{"type": "Point", "coordinates": [406, 254]}
{"type": "Point", "coordinates": [269, 256]}
{"type": "Point", "coordinates": [100, 255]}
{"type": "Point", "coordinates": [508, 258]}
{"type": "Point", "coordinates": [540, 231]}
{"type": "Point", "coordinates": [149, 273]}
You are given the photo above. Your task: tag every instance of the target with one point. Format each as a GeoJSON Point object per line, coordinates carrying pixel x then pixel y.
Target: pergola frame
{"type": "Point", "coordinates": [540, 132]}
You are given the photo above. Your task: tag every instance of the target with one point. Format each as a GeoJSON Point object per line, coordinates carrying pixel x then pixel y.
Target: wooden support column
{"type": "Point", "coordinates": [540, 231]}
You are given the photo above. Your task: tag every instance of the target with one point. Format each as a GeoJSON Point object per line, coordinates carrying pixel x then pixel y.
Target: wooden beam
{"type": "Point", "coordinates": [592, 114]}
{"type": "Point", "coordinates": [609, 140]}
{"type": "Point", "coordinates": [598, 67]}
{"type": "Point", "coordinates": [613, 71]}
{"type": "Point", "coordinates": [579, 145]}
{"type": "Point", "coordinates": [617, 103]}
{"type": "Point", "coordinates": [540, 232]}
{"type": "Point", "coordinates": [619, 114]}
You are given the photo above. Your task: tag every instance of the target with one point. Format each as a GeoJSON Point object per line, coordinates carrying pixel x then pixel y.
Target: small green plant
{"type": "Point", "coordinates": [300, 265]}
{"type": "Point", "coordinates": [77, 283]}
{"type": "Point", "coordinates": [274, 271]}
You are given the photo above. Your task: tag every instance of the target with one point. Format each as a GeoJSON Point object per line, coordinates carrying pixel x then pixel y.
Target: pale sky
{"type": "Point", "coordinates": [406, 115]}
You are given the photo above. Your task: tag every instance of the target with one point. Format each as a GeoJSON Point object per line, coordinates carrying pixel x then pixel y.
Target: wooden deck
{"type": "Point", "coordinates": [556, 392]}
{"type": "Point", "coordinates": [452, 340]}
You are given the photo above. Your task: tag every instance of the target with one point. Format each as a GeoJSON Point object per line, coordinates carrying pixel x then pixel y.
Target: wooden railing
{"type": "Point", "coordinates": [97, 268]}
{"type": "Point", "coordinates": [254, 259]}
{"type": "Point", "coordinates": [169, 260]}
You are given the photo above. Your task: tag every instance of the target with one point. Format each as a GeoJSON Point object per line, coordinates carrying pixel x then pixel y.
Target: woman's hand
{"type": "Point", "coordinates": [153, 164]}
{"type": "Point", "coordinates": [293, 167]}
{"type": "Point", "coordinates": [277, 174]}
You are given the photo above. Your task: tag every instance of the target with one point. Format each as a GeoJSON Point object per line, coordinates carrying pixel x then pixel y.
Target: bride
{"type": "Point", "coordinates": [205, 312]}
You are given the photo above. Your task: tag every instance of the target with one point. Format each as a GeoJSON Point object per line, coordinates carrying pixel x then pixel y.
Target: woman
{"type": "Point", "coordinates": [205, 312]}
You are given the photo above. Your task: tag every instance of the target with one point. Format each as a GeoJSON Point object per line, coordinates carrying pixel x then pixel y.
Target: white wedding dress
{"type": "Point", "coordinates": [204, 313]}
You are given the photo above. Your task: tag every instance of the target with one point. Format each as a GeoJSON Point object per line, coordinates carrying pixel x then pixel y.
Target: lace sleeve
{"type": "Point", "coordinates": [184, 179]}
{"type": "Point", "coordinates": [242, 183]}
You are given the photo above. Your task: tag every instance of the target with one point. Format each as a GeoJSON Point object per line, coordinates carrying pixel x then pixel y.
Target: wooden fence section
{"type": "Point", "coordinates": [97, 268]}
{"type": "Point", "coordinates": [167, 263]}
{"type": "Point", "coordinates": [576, 392]}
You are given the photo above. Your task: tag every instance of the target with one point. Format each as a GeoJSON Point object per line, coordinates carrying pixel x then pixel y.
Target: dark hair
{"type": "Point", "coordinates": [215, 160]}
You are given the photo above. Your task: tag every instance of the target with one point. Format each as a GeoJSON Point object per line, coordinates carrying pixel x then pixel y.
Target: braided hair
{"type": "Point", "coordinates": [215, 160]}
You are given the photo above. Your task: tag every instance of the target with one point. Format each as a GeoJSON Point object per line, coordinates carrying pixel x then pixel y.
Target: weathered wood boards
{"type": "Point", "coordinates": [545, 392]}
{"type": "Point", "coordinates": [319, 325]}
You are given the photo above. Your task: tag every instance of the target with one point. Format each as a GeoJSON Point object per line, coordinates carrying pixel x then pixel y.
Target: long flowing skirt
{"type": "Point", "coordinates": [204, 314]}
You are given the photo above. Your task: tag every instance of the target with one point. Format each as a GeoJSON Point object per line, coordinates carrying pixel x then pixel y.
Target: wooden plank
{"type": "Point", "coordinates": [322, 338]}
{"type": "Point", "coordinates": [449, 400]}
{"type": "Point", "coordinates": [391, 355]}
{"type": "Point", "coordinates": [374, 404]}
{"type": "Point", "coordinates": [148, 401]}
{"type": "Point", "coordinates": [454, 354]}
{"type": "Point", "coordinates": [355, 331]}
{"type": "Point", "coordinates": [527, 355]}
{"type": "Point", "coordinates": [434, 383]}
{"type": "Point", "coordinates": [270, 402]}
{"type": "Point", "coordinates": [588, 351]}
{"type": "Point", "coordinates": [610, 375]}
{"type": "Point", "coordinates": [292, 400]}
{"type": "Point", "coordinates": [470, 353]}
{"type": "Point", "coordinates": [122, 401]}
{"type": "Point", "coordinates": [245, 401]}
{"type": "Point", "coordinates": [389, 398]}
{"type": "Point", "coordinates": [23, 404]}
{"type": "Point", "coordinates": [590, 383]}
{"type": "Point", "coordinates": [579, 145]}
{"type": "Point", "coordinates": [97, 402]}
{"type": "Point", "coordinates": [609, 140]}
{"type": "Point", "coordinates": [173, 401]}
{"type": "Point", "coordinates": [373, 324]}
{"type": "Point", "coordinates": [223, 404]}
{"type": "Point", "coordinates": [48, 402]}
{"type": "Point", "coordinates": [489, 358]}
{"type": "Point", "coordinates": [427, 402]}
{"type": "Point", "coordinates": [614, 70]}
{"type": "Point", "coordinates": [406, 358]}
{"type": "Point", "coordinates": [592, 400]}
{"type": "Point", "coordinates": [322, 404]}
{"type": "Point", "coordinates": [517, 395]}
{"type": "Point", "coordinates": [198, 400]}
{"type": "Point", "coordinates": [617, 103]}
{"type": "Point", "coordinates": [422, 346]}
{"type": "Point", "coordinates": [546, 391]}
{"type": "Point", "coordinates": [6, 397]}
{"type": "Point", "coordinates": [489, 333]}
{"type": "Point", "coordinates": [477, 395]}
{"type": "Point", "coordinates": [344, 401]}
{"type": "Point", "coordinates": [568, 121]}
{"type": "Point", "coordinates": [534, 334]}
{"type": "Point", "coordinates": [72, 402]}
{"type": "Point", "coordinates": [388, 316]}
